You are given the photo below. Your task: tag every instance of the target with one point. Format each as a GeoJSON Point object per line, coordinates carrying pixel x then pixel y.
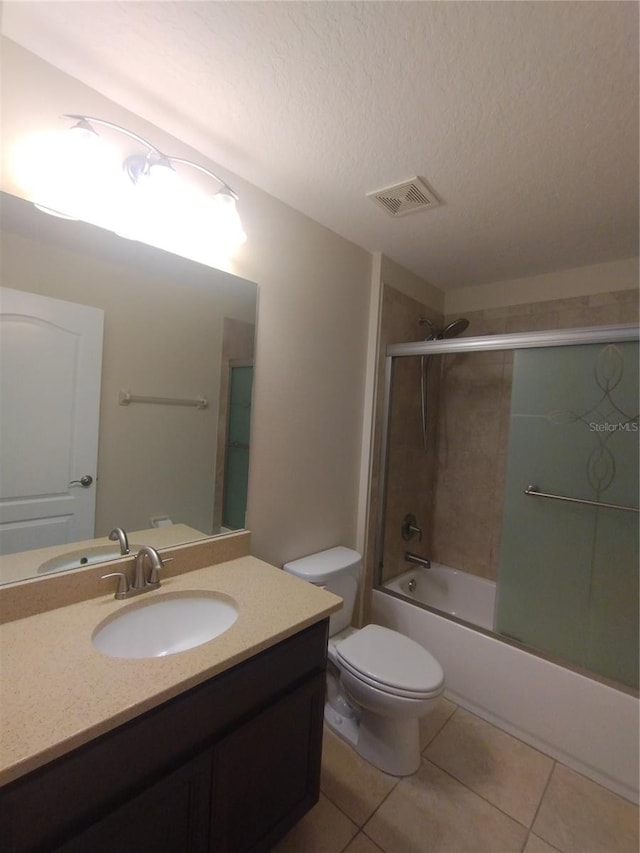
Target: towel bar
{"type": "Point", "coordinates": [533, 490]}
{"type": "Point", "coordinates": [126, 397]}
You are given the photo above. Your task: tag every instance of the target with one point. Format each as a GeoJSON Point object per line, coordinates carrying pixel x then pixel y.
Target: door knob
{"type": "Point", "coordinates": [85, 481]}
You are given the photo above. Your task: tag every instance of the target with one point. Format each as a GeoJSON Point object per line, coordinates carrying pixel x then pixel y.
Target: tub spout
{"type": "Point", "coordinates": [417, 560]}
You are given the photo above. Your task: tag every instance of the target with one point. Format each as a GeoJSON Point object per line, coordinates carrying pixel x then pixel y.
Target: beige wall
{"type": "Point", "coordinates": [404, 281]}
{"type": "Point", "coordinates": [163, 335]}
{"type": "Point", "coordinates": [311, 336]}
{"type": "Point", "coordinates": [564, 284]}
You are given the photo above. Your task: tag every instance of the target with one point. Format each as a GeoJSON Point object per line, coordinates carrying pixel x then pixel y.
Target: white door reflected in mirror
{"type": "Point", "coordinates": [51, 362]}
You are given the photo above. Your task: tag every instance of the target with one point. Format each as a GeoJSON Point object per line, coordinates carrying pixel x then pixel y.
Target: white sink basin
{"type": "Point", "coordinates": [83, 557]}
{"type": "Point", "coordinates": [165, 624]}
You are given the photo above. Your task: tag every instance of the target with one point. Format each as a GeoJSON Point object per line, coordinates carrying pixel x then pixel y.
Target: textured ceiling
{"type": "Point", "coordinates": [522, 117]}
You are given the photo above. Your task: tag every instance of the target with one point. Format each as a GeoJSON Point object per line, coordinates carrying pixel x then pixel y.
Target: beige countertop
{"type": "Point", "coordinates": [57, 692]}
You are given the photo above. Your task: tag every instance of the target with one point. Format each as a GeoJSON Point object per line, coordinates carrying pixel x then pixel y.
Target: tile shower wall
{"type": "Point", "coordinates": [455, 487]}
{"type": "Point", "coordinates": [471, 443]}
{"type": "Point", "coordinates": [409, 478]}
{"type": "Point", "coordinates": [411, 471]}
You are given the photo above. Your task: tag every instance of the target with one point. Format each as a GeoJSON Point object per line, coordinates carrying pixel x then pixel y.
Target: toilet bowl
{"type": "Point", "coordinates": [379, 682]}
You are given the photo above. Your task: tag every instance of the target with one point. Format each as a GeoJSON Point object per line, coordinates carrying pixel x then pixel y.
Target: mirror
{"type": "Point", "coordinates": [174, 330]}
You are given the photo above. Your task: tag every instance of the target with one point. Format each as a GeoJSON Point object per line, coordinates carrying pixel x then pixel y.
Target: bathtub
{"type": "Point", "coordinates": [451, 591]}
{"type": "Point", "coordinates": [584, 723]}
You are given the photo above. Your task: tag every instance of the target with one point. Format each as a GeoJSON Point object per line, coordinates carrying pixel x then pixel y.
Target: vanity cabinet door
{"type": "Point", "coordinates": [266, 773]}
{"type": "Point", "coordinates": [171, 816]}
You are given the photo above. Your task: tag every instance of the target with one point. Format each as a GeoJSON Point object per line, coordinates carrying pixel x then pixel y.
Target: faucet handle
{"type": "Point", "coordinates": [123, 583]}
{"type": "Point", "coordinates": [410, 527]}
{"type": "Point", "coordinates": [154, 579]}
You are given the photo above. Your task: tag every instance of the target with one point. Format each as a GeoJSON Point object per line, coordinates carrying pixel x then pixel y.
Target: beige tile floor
{"type": "Point", "coordinates": [478, 790]}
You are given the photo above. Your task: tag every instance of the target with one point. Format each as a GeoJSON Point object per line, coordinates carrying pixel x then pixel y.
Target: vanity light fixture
{"type": "Point", "coordinates": [138, 193]}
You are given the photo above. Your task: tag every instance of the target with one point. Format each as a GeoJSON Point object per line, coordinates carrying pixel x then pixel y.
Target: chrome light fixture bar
{"type": "Point", "coordinates": [102, 173]}
{"type": "Point", "coordinates": [137, 165]}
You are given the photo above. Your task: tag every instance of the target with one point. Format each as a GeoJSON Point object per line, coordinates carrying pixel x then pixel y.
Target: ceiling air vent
{"type": "Point", "coordinates": [405, 198]}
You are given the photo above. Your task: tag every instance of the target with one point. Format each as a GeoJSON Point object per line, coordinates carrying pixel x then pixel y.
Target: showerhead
{"type": "Point", "coordinates": [454, 328]}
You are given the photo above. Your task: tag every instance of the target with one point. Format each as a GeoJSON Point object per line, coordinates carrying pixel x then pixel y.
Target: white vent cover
{"type": "Point", "coordinates": [405, 198]}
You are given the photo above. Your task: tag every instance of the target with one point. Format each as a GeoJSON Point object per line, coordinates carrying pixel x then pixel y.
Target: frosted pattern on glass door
{"type": "Point", "coordinates": [568, 577]}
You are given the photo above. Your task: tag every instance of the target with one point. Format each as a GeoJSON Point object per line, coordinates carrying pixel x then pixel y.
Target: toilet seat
{"type": "Point", "coordinates": [390, 662]}
{"type": "Point", "coordinates": [387, 689]}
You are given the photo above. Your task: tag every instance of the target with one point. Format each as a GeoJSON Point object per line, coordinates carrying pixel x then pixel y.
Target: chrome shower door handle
{"type": "Point", "coordinates": [84, 481]}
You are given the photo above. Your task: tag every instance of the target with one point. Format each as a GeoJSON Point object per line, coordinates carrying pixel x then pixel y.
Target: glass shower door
{"type": "Point", "coordinates": [568, 573]}
{"type": "Point", "coordinates": [236, 471]}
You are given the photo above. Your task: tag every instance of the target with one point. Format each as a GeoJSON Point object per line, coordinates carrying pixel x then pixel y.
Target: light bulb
{"type": "Point", "coordinates": [161, 174]}
{"type": "Point", "coordinates": [225, 221]}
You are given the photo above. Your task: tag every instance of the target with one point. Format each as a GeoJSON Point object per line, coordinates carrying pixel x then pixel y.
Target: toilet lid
{"type": "Point", "coordinates": [391, 661]}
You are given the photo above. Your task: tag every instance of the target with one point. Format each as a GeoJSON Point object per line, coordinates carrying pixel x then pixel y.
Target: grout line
{"type": "Point", "coordinates": [368, 818]}
{"type": "Point", "coordinates": [342, 849]}
{"type": "Point", "coordinates": [544, 841]}
{"type": "Point", "coordinates": [540, 838]}
{"type": "Point", "coordinates": [441, 729]}
{"type": "Point", "coordinates": [375, 843]}
{"type": "Point", "coordinates": [383, 800]}
{"type": "Point", "coordinates": [515, 737]}
{"type": "Point", "coordinates": [476, 794]}
{"type": "Point", "coordinates": [546, 787]}
{"type": "Point", "coordinates": [340, 809]}
{"type": "Point", "coordinates": [368, 837]}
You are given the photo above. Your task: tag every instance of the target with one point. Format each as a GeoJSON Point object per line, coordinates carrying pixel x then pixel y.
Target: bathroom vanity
{"type": "Point", "coordinates": [214, 749]}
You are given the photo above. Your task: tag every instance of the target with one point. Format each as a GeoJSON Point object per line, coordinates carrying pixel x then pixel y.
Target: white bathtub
{"type": "Point", "coordinates": [458, 593]}
{"type": "Point", "coordinates": [583, 723]}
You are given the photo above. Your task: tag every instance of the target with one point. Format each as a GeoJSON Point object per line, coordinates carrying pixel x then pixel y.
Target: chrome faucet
{"type": "Point", "coordinates": [119, 534]}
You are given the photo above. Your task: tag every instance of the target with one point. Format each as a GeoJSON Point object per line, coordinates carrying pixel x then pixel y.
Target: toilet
{"type": "Point", "coordinates": [379, 682]}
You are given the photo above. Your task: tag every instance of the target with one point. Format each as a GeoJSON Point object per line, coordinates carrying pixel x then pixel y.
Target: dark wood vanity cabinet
{"type": "Point", "coordinates": [227, 767]}
{"type": "Point", "coordinates": [170, 816]}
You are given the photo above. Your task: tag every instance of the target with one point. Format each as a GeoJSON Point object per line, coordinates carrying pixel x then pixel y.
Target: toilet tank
{"type": "Point", "coordinates": [338, 570]}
